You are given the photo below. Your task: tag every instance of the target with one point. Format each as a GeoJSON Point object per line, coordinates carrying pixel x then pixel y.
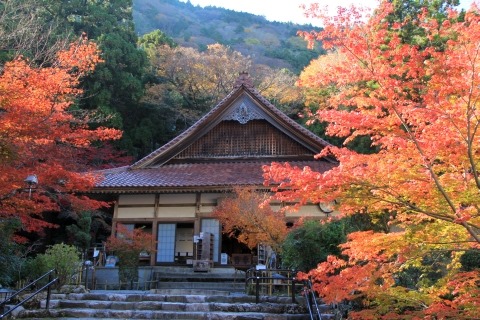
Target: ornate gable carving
{"type": "Point", "coordinates": [244, 113]}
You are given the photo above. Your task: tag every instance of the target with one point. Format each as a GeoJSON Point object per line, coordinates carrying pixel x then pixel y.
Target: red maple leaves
{"type": "Point", "coordinates": [42, 133]}
{"type": "Point", "coordinates": [418, 103]}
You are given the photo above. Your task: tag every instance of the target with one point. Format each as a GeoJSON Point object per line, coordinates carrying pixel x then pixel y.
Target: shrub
{"type": "Point", "coordinates": [311, 243]}
{"type": "Point", "coordinates": [10, 260]}
{"type": "Point", "coordinates": [64, 258]}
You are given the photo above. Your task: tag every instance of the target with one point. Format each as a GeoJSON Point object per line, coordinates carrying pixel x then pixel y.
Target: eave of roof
{"type": "Point", "coordinates": [193, 176]}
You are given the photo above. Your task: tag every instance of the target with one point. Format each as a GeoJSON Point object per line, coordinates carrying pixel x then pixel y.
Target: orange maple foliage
{"type": "Point", "coordinates": [464, 302]}
{"type": "Point", "coordinates": [420, 108]}
{"type": "Point", "coordinates": [246, 217]}
{"type": "Point", "coordinates": [40, 133]}
{"type": "Point", "coordinates": [127, 245]}
{"type": "Point", "coordinates": [130, 242]}
{"type": "Point", "coordinates": [427, 131]}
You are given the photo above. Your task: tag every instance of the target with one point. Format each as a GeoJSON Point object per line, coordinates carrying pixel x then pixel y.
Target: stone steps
{"type": "Point", "coordinates": [180, 293]}
{"type": "Point", "coordinates": [167, 315]}
{"type": "Point", "coordinates": [112, 305]}
{"type": "Point", "coordinates": [218, 279]}
{"type": "Point", "coordinates": [192, 291]}
{"type": "Point", "coordinates": [213, 286]}
{"type": "Point", "coordinates": [164, 277]}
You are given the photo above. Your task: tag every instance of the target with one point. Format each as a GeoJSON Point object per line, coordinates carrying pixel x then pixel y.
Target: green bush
{"type": "Point", "coordinates": [64, 258]}
{"type": "Point", "coordinates": [311, 243]}
{"type": "Point", "coordinates": [433, 268]}
{"type": "Point", "coordinates": [33, 268]}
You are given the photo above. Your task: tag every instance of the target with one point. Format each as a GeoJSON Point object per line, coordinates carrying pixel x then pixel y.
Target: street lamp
{"type": "Point", "coordinates": [31, 182]}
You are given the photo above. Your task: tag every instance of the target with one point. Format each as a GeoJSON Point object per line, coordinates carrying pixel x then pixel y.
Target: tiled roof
{"type": "Point", "coordinates": [192, 175]}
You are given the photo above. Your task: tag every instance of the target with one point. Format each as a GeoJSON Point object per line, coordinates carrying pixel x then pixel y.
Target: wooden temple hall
{"type": "Point", "coordinates": [173, 191]}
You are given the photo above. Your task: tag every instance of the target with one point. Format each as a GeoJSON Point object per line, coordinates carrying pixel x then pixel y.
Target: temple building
{"type": "Point", "coordinates": [173, 191]}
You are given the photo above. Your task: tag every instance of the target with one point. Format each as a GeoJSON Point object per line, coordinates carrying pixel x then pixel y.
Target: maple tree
{"type": "Point", "coordinates": [247, 218]}
{"type": "Point", "coordinates": [419, 106]}
{"type": "Point", "coordinates": [127, 245]}
{"type": "Point", "coordinates": [42, 133]}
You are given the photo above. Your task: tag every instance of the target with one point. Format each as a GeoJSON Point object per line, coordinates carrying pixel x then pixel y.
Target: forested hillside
{"type": "Point", "coordinates": [272, 43]}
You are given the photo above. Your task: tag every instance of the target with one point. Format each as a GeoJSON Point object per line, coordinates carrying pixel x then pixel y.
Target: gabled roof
{"type": "Point", "coordinates": [244, 103]}
{"type": "Point", "coordinates": [171, 169]}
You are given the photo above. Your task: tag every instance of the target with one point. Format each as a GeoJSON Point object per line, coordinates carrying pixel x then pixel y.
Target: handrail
{"type": "Point", "coordinates": [309, 307]}
{"type": "Point", "coordinates": [46, 286]}
{"type": "Point", "coordinates": [257, 285]}
{"type": "Point", "coordinates": [311, 300]}
{"type": "Point", "coordinates": [251, 272]}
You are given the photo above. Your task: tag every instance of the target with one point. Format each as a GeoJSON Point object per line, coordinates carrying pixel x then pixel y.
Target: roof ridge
{"type": "Point", "coordinates": [243, 79]}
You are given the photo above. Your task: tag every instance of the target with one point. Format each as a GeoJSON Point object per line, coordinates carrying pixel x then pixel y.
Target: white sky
{"type": "Point", "coordinates": [288, 10]}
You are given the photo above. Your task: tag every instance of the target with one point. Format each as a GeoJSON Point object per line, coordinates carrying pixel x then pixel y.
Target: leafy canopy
{"type": "Point", "coordinates": [419, 106]}
{"type": "Point", "coordinates": [41, 134]}
{"type": "Point", "coordinates": [417, 100]}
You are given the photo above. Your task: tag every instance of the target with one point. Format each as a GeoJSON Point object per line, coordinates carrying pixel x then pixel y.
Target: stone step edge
{"type": "Point", "coordinates": [180, 306]}
{"type": "Point", "coordinates": [56, 302]}
{"type": "Point", "coordinates": [143, 314]}
{"type": "Point", "coordinates": [165, 297]}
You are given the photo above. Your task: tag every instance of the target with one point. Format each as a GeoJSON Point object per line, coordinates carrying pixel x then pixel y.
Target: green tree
{"type": "Point", "coordinates": [410, 13]}
{"type": "Point", "coordinates": [315, 240]}
{"type": "Point", "coordinates": [10, 259]}
{"type": "Point", "coordinates": [116, 86]}
{"type": "Point", "coordinates": [152, 40]}
{"type": "Point", "coordinates": [470, 260]}
{"type": "Point", "coordinates": [80, 231]}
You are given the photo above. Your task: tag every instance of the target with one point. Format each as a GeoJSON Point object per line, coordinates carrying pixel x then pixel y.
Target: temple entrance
{"type": "Point", "coordinates": [175, 242]}
{"type": "Point", "coordinates": [231, 245]}
{"type": "Point", "coordinates": [184, 243]}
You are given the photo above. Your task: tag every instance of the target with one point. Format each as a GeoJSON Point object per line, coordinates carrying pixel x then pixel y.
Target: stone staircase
{"type": "Point", "coordinates": [219, 279]}
{"type": "Point", "coordinates": [170, 305]}
{"type": "Point", "coordinates": [180, 293]}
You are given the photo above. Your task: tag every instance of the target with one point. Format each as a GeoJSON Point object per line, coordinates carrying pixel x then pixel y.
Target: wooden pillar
{"type": "Point", "coordinates": [198, 207]}
{"type": "Point", "coordinates": [153, 256]}
{"type": "Point", "coordinates": [115, 216]}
